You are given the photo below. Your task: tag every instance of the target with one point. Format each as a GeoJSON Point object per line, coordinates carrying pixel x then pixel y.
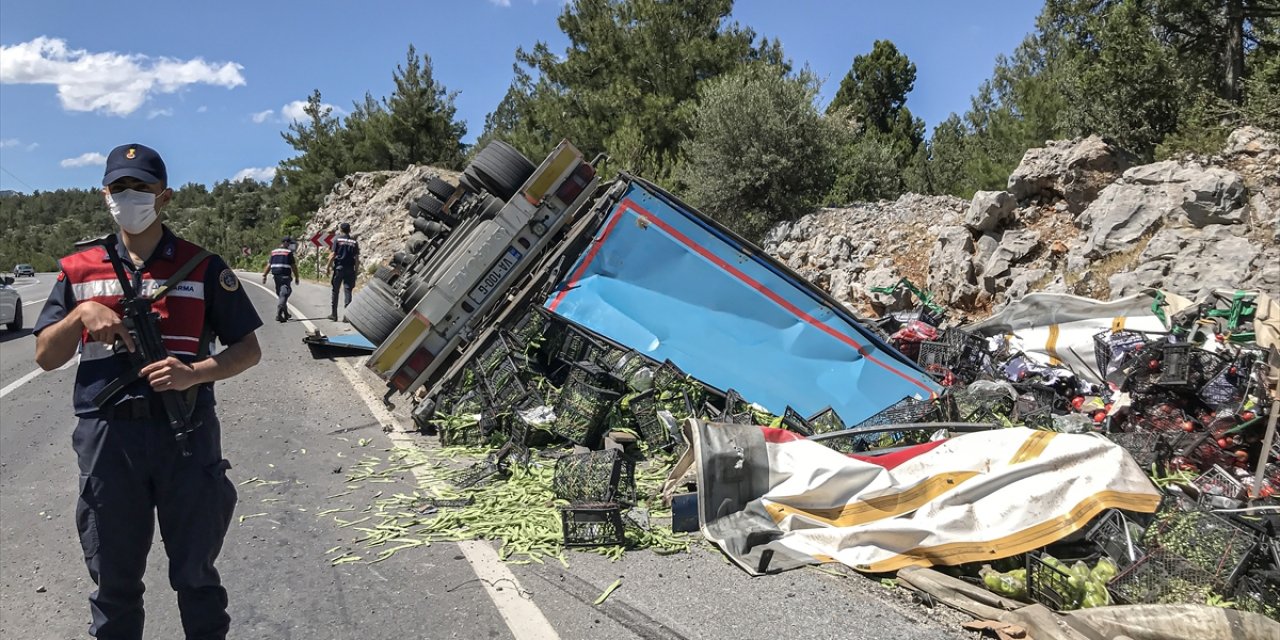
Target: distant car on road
{"type": "Point", "coordinates": [10, 305]}
{"type": "Point", "coordinates": [24, 270]}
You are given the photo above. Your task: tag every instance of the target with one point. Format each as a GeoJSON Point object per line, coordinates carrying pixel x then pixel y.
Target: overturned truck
{"type": "Point", "coordinates": [614, 273]}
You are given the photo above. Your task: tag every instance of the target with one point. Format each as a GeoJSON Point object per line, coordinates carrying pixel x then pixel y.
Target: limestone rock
{"type": "Point", "coordinates": [1070, 170]}
{"type": "Point", "coordinates": [951, 265]}
{"type": "Point", "coordinates": [990, 210]}
{"type": "Point", "coordinates": [1252, 141]}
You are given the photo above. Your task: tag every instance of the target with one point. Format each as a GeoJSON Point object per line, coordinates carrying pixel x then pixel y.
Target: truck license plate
{"type": "Point", "coordinates": [495, 276]}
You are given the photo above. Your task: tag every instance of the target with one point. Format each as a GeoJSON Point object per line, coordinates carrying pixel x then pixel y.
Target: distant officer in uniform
{"type": "Point", "coordinates": [131, 468]}
{"type": "Point", "coordinates": [283, 266]}
{"type": "Point", "coordinates": [343, 260]}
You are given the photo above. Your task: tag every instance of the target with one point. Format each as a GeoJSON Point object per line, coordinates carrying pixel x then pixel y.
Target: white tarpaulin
{"type": "Point", "coordinates": [1056, 329]}
{"type": "Point", "coordinates": [772, 500]}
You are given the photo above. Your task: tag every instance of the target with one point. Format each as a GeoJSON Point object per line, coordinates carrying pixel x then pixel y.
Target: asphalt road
{"type": "Point", "coordinates": [291, 426]}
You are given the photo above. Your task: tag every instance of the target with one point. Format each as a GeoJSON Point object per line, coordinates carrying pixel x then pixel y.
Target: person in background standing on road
{"type": "Point", "coordinates": [284, 268]}
{"type": "Point", "coordinates": [132, 470]}
{"type": "Point", "coordinates": [343, 260]}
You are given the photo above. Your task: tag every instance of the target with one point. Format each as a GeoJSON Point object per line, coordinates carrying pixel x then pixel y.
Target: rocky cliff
{"type": "Point", "coordinates": [1077, 217]}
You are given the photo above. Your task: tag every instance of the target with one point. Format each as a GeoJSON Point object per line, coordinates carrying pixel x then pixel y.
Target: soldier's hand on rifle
{"type": "Point", "coordinates": [104, 324]}
{"type": "Point", "coordinates": [170, 374]}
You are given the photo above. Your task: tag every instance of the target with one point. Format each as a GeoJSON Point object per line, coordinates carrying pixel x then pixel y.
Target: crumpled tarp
{"type": "Point", "coordinates": [772, 500]}
{"type": "Point", "coordinates": [1133, 622]}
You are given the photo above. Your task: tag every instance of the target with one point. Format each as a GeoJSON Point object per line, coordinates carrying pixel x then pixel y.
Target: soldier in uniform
{"type": "Point", "coordinates": [132, 469]}
{"type": "Point", "coordinates": [344, 260]}
{"type": "Point", "coordinates": [282, 266]}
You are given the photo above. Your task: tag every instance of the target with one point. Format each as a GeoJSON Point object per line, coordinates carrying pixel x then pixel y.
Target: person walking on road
{"type": "Point", "coordinates": [282, 266]}
{"type": "Point", "coordinates": [133, 470]}
{"type": "Point", "coordinates": [343, 260]}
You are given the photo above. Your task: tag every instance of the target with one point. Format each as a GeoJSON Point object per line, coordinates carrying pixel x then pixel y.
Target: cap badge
{"type": "Point", "coordinates": [131, 154]}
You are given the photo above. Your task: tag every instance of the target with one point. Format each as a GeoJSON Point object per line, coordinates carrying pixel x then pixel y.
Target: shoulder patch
{"type": "Point", "coordinates": [228, 280]}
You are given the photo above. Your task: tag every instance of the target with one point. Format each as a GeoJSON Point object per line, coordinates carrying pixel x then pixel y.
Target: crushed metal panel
{"type": "Point", "coordinates": [661, 279]}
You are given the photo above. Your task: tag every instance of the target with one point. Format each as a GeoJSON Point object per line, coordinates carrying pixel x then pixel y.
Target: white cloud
{"type": "Point", "coordinates": [90, 159]}
{"type": "Point", "coordinates": [295, 110]}
{"type": "Point", "coordinates": [263, 174]}
{"type": "Point", "coordinates": [9, 142]}
{"type": "Point", "coordinates": [503, 3]}
{"type": "Point", "coordinates": [262, 116]}
{"type": "Point", "coordinates": [202, 109]}
{"type": "Point", "coordinates": [157, 113]}
{"type": "Point", "coordinates": [109, 82]}
{"type": "Point", "coordinates": [32, 146]}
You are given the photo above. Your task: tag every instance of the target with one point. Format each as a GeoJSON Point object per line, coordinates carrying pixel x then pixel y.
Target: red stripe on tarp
{"type": "Point", "coordinates": [891, 460]}
{"type": "Point", "coordinates": [888, 461]}
{"type": "Point", "coordinates": [586, 262]}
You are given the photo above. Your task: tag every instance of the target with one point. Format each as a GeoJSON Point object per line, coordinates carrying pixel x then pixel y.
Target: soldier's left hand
{"type": "Point", "coordinates": [170, 374]}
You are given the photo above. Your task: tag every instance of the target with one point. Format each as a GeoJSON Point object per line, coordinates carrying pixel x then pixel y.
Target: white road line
{"type": "Point", "coordinates": [27, 304]}
{"type": "Point", "coordinates": [523, 617]}
{"type": "Point", "coordinates": [13, 386]}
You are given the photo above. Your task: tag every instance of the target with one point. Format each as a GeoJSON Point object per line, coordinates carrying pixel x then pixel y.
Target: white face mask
{"type": "Point", "coordinates": [133, 210]}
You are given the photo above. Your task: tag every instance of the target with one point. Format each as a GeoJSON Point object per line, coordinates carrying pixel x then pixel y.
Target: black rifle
{"type": "Point", "coordinates": [143, 326]}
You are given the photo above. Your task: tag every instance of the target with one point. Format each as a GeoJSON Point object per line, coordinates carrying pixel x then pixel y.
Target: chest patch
{"type": "Point", "coordinates": [228, 280]}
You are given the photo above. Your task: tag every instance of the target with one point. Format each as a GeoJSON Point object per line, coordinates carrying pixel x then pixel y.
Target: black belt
{"type": "Point", "coordinates": [133, 409]}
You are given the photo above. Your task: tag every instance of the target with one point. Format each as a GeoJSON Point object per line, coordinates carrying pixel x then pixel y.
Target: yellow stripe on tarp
{"type": "Point", "coordinates": [1051, 347]}
{"type": "Point", "coordinates": [1047, 532]}
{"type": "Point", "coordinates": [1117, 324]}
{"type": "Point", "coordinates": [396, 349]}
{"type": "Point", "coordinates": [1035, 445]}
{"type": "Point", "coordinates": [877, 508]}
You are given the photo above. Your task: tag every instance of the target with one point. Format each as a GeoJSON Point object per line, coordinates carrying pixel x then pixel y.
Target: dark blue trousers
{"type": "Point", "coordinates": [131, 475]}
{"type": "Point", "coordinates": [343, 278]}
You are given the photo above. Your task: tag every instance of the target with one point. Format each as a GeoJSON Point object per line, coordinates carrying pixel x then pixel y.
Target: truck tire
{"type": "Point", "coordinates": [373, 311]}
{"type": "Point", "coordinates": [384, 273]}
{"type": "Point", "coordinates": [401, 259]}
{"type": "Point", "coordinates": [426, 207]}
{"type": "Point", "coordinates": [440, 188]}
{"type": "Point", "coordinates": [500, 169]}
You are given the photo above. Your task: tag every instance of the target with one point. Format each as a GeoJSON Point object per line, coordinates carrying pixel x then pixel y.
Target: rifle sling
{"type": "Point", "coordinates": [109, 392]}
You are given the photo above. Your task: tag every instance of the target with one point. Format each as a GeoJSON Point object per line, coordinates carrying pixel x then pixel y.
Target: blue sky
{"type": "Point", "coordinates": [211, 85]}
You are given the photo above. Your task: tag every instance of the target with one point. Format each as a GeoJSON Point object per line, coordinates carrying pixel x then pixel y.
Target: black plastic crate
{"type": "Point", "coordinates": [1119, 539]}
{"type": "Point", "coordinates": [477, 475]}
{"type": "Point", "coordinates": [793, 421]}
{"type": "Point", "coordinates": [826, 421]}
{"type": "Point", "coordinates": [939, 354]}
{"type": "Point", "coordinates": [1112, 348]}
{"type": "Point", "coordinates": [503, 385]}
{"type": "Point", "coordinates": [1217, 481]}
{"type": "Point", "coordinates": [531, 328]}
{"type": "Point", "coordinates": [596, 476]}
{"type": "Point", "coordinates": [1211, 543]}
{"type": "Point", "coordinates": [1048, 584]}
{"type": "Point", "coordinates": [578, 346]}
{"type": "Point", "coordinates": [592, 525]}
{"type": "Point", "coordinates": [1259, 594]}
{"type": "Point", "coordinates": [1148, 448]}
{"type": "Point", "coordinates": [580, 412]}
{"type": "Point", "coordinates": [644, 414]}
{"type": "Point", "coordinates": [1162, 577]}
{"type": "Point", "coordinates": [736, 410]}
{"type": "Point", "coordinates": [1229, 386]}
{"type": "Point", "coordinates": [628, 368]}
{"type": "Point", "coordinates": [1175, 368]}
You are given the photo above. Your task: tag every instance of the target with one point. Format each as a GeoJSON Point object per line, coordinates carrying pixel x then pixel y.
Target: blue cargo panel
{"type": "Point", "coordinates": [662, 280]}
